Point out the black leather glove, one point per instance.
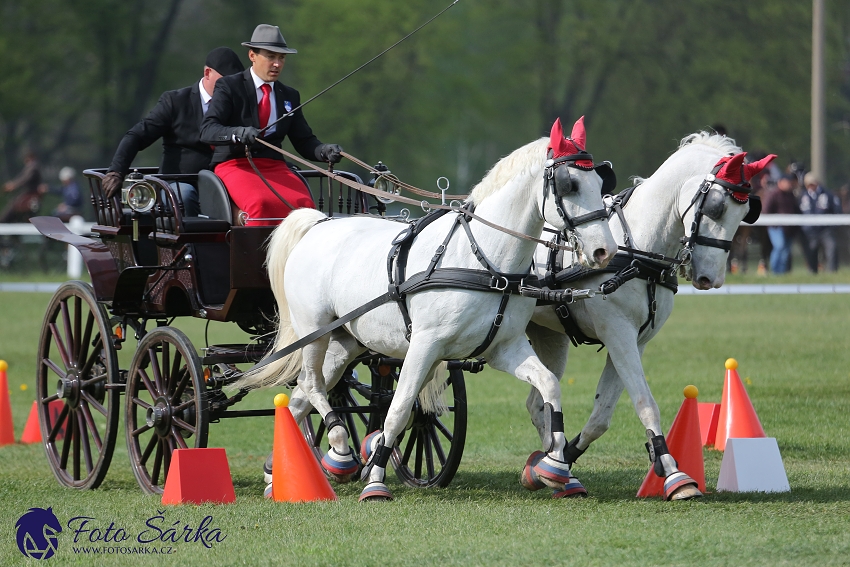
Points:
(246, 134)
(112, 183)
(329, 152)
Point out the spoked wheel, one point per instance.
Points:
(77, 387)
(430, 448)
(430, 452)
(165, 408)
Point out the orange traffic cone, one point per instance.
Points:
(32, 430)
(7, 429)
(685, 446)
(198, 475)
(709, 414)
(296, 475)
(738, 418)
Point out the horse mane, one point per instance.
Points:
(522, 160)
(723, 144)
(719, 142)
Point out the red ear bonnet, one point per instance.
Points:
(753, 169)
(561, 146)
(733, 172)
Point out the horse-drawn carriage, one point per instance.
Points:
(149, 265)
(152, 264)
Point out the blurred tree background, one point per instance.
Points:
(480, 81)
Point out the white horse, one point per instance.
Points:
(701, 192)
(320, 271)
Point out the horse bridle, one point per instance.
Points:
(699, 205)
(558, 180)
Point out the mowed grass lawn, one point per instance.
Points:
(794, 351)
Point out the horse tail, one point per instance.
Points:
(431, 398)
(280, 245)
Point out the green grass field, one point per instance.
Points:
(793, 349)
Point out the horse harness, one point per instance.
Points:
(655, 269)
(489, 279)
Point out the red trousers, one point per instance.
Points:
(253, 196)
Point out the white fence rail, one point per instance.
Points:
(803, 220)
(79, 226)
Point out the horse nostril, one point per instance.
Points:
(600, 255)
(704, 282)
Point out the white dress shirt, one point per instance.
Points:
(205, 97)
(258, 82)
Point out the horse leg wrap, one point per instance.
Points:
(376, 490)
(340, 467)
(553, 422)
(378, 456)
(571, 489)
(333, 420)
(675, 482)
(656, 446)
(572, 452)
(267, 469)
(528, 478)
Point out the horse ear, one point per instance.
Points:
(579, 136)
(753, 169)
(731, 170)
(556, 137)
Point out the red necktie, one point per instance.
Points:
(265, 105)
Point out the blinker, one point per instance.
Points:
(714, 204)
(564, 181)
(755, 210)
(609, 179)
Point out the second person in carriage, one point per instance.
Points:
(244, 104)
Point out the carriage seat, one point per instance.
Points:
(215, 201)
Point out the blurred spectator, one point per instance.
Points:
(26, 204)
(72, 199)
(816, 200)
(780, 200)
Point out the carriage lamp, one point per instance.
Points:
(384, 180)
(141, 197)
(129, 181)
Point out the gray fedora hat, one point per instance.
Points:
(268, 37)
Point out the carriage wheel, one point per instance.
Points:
(165, 408)
(430, 452)
(430, 449)
(75, 386)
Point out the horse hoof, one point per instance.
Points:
(367, 446)
(376, 492)
(268, 493)
(572, 489)
(679, 486)
(528, 478)
(552, 472)
(340, 467)
(267, 470)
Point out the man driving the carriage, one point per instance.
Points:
(176, 119)
(242, 106)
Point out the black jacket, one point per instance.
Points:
(234, 103)
(176, 119)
